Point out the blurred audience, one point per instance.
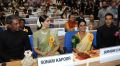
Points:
(102, 12)
(71, 24)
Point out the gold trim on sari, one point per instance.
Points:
(85, 43)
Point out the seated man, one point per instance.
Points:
(106, 33)
(71, 24)
(13, 41)
(26, 29)
(81, 17)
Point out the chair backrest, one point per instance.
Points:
(31, 20)
(1, 30)
(67, 41)
(94, 40)
(32, 46)
(60, 22)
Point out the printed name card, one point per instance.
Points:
(109, 54)
(60, 60)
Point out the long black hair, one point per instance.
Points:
(42, 20)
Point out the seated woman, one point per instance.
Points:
(45, 40)
(82, 41)
(71, 24)
(93, 24)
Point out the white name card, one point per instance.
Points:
(61, 32)
(59, 60)
(109, 54)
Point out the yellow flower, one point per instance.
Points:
(26, 30)
(51, 41)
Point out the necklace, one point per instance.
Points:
(44, 31)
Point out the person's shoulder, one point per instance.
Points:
(100, 10)
(115, 27)
(22, 32)
(100, 28)
(91, 34)
(4, 32)
(66, 24)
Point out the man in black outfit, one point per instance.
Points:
(118, 24)
(81, 16)
(106, 33)
(13, 41)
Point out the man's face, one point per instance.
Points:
(104, 4)
(114, 4)
(72, 18)
(21, 23)
(108, 20)
(81, 14)
(91, 17)
(15, 26)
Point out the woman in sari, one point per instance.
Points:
(45, 40)
(82, 41)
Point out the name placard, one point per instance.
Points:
(60, 60)
(109, 54)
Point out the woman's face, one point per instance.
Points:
(46, 23)
(72, 18)
(82, 27)
(21, 23)
(91, 17)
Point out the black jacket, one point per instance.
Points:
(106, 36)
(13, 45)
(119, 12)
(29, 30)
